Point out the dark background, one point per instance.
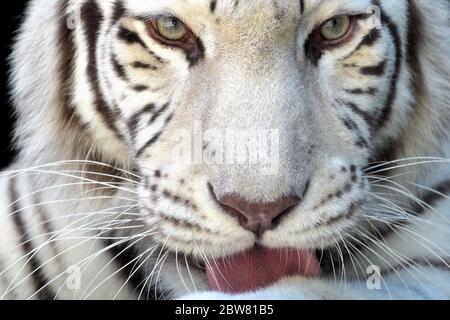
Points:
(11, 16)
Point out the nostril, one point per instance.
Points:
(306, 189)
(211, 191)
(295, 203)
(226, 208)
(256, 217)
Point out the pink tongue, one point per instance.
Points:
(259, 268)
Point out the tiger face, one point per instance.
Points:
(251, 123)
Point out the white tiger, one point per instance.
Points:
(143, 128)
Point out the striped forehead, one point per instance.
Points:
(198, 9)
(217, 7)
(234, 5)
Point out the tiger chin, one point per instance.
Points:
(224, 149)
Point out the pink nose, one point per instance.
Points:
(258, 217)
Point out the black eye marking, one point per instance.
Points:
(213, 6)
(315, 45)
(140, 88)
(132, 38)
(142, 65)
(370, 39)
(191, 45)
(377, 70)
(359, 91)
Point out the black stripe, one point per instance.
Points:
(360, 141)
(92, 18)
(213, 6)
(159, 113)
(133, 123)
(236, 4)
(150, 143)
(47, 226)
(142, 65)
(350, 125)
(37, 273)
(131, 37)
(359, 91)
(377, 70)
(119, 68)
(140, 87)
(366, 116)
(302, 6)
(118, 11)
(387, 109)
(415, 34)
(370, 39)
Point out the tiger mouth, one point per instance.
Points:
(260, 267)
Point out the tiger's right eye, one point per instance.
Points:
(335, 28)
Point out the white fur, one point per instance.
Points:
(255, 74)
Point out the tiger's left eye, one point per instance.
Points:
(335, 28)
(171, 28)
(171, 32)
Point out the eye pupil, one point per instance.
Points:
(172, 23)
(334, 22)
